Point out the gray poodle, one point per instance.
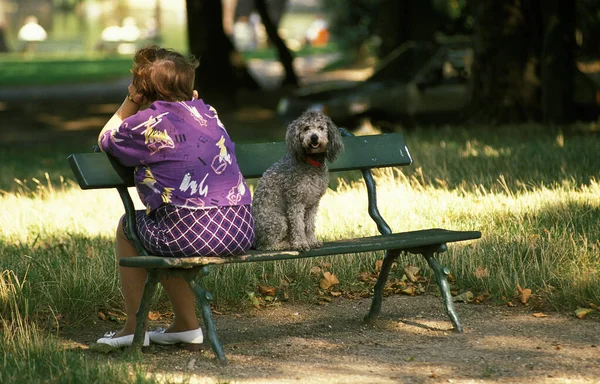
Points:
(287, 196)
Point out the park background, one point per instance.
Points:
(524, 174)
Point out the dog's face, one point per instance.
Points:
(313, 133)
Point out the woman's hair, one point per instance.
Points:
(163, 74)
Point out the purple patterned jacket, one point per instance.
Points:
(182, 156)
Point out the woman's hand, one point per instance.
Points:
(131, 106)
(134, 96)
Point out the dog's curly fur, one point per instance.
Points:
(287, 196)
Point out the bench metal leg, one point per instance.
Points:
(205, 298)
(141, 315)
(441, 274)
(388, 260)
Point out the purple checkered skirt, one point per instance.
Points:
(181, 232)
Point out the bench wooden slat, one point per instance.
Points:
(94, 170)
(361, 152)
(402, 241)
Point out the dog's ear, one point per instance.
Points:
(335, 144)
(294, 145)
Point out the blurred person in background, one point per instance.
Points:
(3, 29)
(317, 34)
(3, 43)
(30, 34)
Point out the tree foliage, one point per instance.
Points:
(352, 23)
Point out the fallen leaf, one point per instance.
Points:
(594, 306)
(328, 280)
(365, 277)
(102, 316)
(152, 315)
(378, 265)
(266, 290)
(482, 273)
(524, 294)
(582, 312)
(511, 304)
(315, 270)
(408, 291)
(481, 298)
(325, 265)
(412, 272)
(539, 314)
(335, 294)
(327, 299)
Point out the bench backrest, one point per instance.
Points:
(95, 170)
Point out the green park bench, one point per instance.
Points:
(98, 170)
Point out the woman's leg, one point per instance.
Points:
(183, 302)
(132, 286)
(132, 281)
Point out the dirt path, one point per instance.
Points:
(412, 343)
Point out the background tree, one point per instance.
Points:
(588, 27)
(217, 78)
(387, 24)
(558, 60)
(352, 23)
(285, 56)
(399, 21)
(523, 65)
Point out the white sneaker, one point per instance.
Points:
(123, 341)
(187, 337)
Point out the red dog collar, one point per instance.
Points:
(313, 162)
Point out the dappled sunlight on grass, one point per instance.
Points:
(72, 211)
(543, 237)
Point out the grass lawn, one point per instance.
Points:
(47, 69)
(533, 193)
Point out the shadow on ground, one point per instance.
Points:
(412, 343)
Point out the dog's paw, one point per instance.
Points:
(300, 246)
(316, 244)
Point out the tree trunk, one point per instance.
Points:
(402, 20)
(558, 63)
(276, 11)
(393, 26)
(505, 83)
(285, 56)
(217, 78)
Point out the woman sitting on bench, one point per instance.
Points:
(186, 173)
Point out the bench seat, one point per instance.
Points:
(404, 241)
